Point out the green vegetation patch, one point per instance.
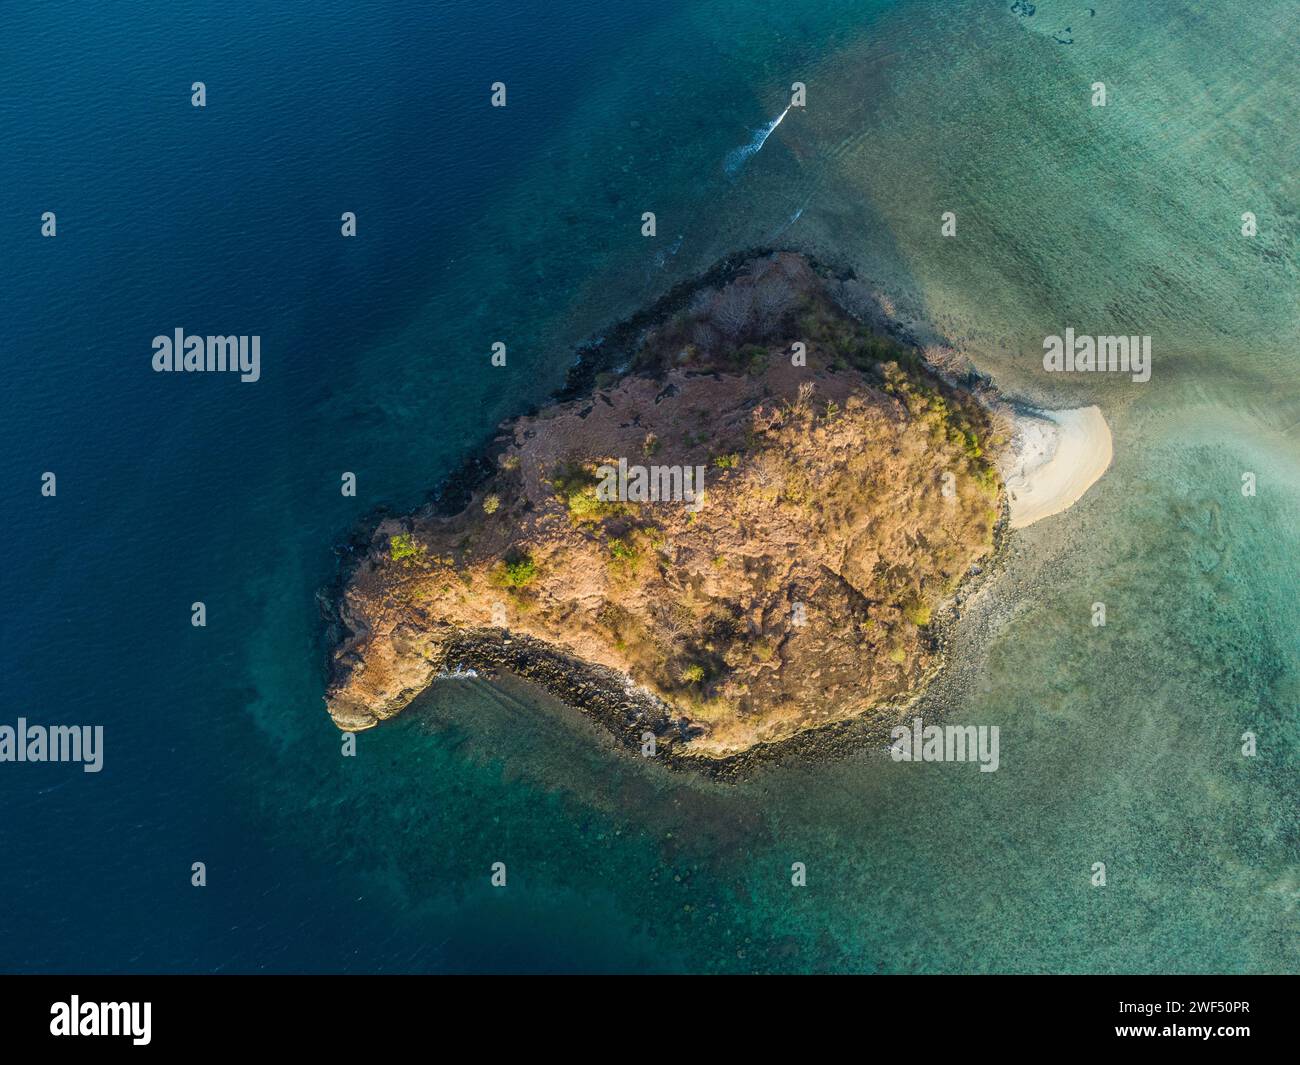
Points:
(403, 549)
(576, 484)
(917, 611)
(514, 572)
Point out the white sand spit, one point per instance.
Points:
(1055, 456)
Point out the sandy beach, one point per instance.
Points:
(1055, 456)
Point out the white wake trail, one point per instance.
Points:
(737, 158)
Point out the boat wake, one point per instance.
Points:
(739, 156)
(788, 223)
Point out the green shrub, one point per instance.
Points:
(403, 548)
(577, 485)
(751, 358)
(917, 611)
(623, 551)
(517, 572)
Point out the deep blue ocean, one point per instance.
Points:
(521, 224)
(173, 490)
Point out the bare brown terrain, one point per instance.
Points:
(844, 500)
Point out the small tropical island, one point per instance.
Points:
(741, 521)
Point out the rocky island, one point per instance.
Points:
(738, 523)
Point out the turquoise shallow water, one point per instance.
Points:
(1118, 745)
